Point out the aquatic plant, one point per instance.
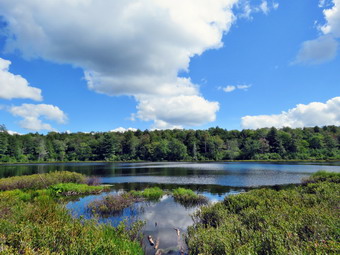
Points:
(72, 189)
(188, 198)
(296, 220)
(41, 181)
(111, 204)
(150, 194)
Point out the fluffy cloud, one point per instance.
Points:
(123, 130)
(32, 115)
(324, 48)
(176, 111)
(126, 47)
(313, 114)
(317, 51)
(332, 17)
(15, 86)
(231, 88)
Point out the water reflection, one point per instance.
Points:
(237, 174)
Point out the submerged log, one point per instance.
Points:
(152, 243)
(157, 244)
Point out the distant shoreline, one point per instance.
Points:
(185, 161)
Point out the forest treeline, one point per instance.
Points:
(174, 145)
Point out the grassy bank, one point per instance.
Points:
(32, 221)
(299, 220)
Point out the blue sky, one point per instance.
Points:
(96, 66)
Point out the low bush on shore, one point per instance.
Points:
(188, 198)
(41, 181)
(299, 220)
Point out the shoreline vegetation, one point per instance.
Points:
(34, 220)
(295, 219)
(214, 144)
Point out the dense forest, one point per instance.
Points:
(173, 145)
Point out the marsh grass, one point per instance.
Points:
(111, 204)
(149, 194)
(188, 198)
(41, 181)
(32, 222)
(75, 189)
(299, 220)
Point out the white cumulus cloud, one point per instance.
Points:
(313, 114)
(131, 47)
(15, 86)
(177, 111)
(325, 47)
(32, 115)
(123, 130)
(332, 17)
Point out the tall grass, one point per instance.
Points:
(299, 220)
(32, 222)
(150, 194)
(41, 181)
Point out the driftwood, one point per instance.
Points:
(157, 244)
(158, 252)
(152, 243)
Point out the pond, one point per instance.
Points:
(163, 218)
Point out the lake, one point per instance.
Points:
(214, 180)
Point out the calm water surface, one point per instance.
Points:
(214, 180)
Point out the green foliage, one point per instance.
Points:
(41, 181)
(150, 194)
(41, 226)
(299, 220)
(174, 145)
(71, 189)
(188, 198)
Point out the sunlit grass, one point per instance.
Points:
(188, 198)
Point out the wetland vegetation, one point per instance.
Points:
(296, 220)
(33, 220)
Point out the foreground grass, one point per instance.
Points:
(300, 220)
(33, 222)
(188, 198)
